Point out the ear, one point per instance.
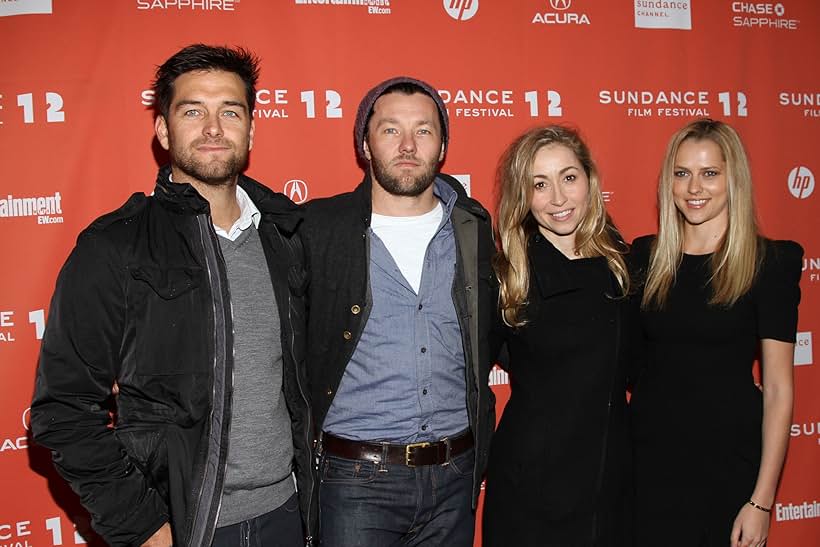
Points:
(441, 154)
(366, 150)
(161, 130)
(250, 140)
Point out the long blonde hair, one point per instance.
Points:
(596, 234)
(736, 261)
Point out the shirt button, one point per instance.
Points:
(424, 428)
(424, 392)
(421, 306)
(346, 335)
(355, 309)
(424, 350)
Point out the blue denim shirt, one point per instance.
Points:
(406, 379)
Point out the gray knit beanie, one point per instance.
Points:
(366, 109)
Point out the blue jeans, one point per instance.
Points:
(281, 527)
(368, 504)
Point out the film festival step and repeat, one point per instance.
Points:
(76, 135)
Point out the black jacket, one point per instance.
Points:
(337, 250)
(143, 300)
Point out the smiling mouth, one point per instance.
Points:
(696, 202)
(561, 215)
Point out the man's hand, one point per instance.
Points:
(161, 538)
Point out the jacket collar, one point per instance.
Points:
(549, 268)
(183, 198)
(445, 186)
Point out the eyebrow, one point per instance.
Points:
(190, 102)
(396, 121)
(561, 172)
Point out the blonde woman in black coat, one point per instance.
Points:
(558, 462)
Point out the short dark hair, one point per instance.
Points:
(238, 60)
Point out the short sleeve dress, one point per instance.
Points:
(696, 412)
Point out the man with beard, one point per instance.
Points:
(401, 300)
(190, 302)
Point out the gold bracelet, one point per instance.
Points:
(756, 506)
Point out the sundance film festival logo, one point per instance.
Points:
(812, 266)
(674, 103)
(801, 182)
(461, 10)
(24, 7)
(663, 14)
(47, 209)
(179, 5)
(809, 103)
(560, 15)
(374, 7)
(762, 15)
(296, 190)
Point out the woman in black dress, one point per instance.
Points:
(558, 462)
(709, 444)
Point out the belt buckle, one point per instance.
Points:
(408, 451)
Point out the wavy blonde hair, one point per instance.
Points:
(735, 263)
(596, 234)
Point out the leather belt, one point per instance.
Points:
(411, 455)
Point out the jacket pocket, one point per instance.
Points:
(169, 315)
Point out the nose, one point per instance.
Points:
(558, 196)
(695, 185)
(213, 126)
(408, 143)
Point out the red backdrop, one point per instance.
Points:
(76, 139)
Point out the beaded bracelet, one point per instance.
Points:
(756, 506)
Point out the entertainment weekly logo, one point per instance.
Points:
(797, 511)
(762, 15)
(801, 182)
(559, 12)
(807, 103)
(24, 7)
(46, 209)
(187, 5)
(461, 10)
(374, 7)
(663, 14)
(675, 103)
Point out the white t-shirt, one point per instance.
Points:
(406, 238)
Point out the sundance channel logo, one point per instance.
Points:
(663, 14)
(803, 354)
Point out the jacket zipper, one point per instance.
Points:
(198, 536)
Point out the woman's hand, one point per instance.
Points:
(751, 528)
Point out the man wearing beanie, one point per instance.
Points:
(401, 298)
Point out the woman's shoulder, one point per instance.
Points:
(782, 257)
